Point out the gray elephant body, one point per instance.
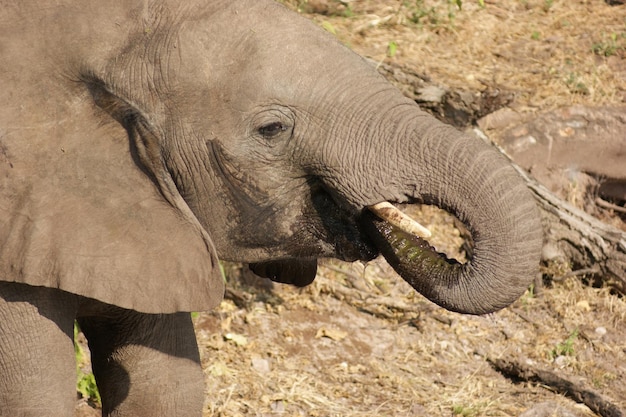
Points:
(142, 141)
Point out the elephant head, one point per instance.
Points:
(166, 137)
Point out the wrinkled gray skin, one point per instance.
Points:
(141, 141)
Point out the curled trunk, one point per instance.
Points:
(471, 180)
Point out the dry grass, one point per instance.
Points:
(552, 53)
(395, 362)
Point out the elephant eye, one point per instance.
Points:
(272, 129)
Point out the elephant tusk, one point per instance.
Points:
(389, 213)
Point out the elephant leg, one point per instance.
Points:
(145, 364)
(37, 362)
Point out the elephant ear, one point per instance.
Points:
(87, 206)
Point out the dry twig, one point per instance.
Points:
(576, 391)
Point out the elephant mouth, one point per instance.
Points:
(382, 229)
(398, 219)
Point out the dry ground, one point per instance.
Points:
(361, 342)
(551, 53)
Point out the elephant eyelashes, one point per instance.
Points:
(272, 129)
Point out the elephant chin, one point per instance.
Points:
(298, 272)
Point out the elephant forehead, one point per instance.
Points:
(277, 55)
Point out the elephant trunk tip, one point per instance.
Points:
(472, 287)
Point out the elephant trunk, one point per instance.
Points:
(435, 164)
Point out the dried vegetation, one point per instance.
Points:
(551, 53)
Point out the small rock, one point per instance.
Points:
(261, 365)
(600, 331)
(561, 361)
(431, 94)
(238, 339)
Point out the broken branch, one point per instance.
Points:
(576, 391)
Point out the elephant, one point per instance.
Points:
(144, 141)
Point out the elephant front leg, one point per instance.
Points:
(37, 363)
(145, 364)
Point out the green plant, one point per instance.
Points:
(348, 12)
(566, 347)
(434, 14)
(575, 85)
(392, 48)
(417, 10)
(528, 295)
(422, 14)
(610, 45)
(329, 27)
(85, 381)
(463, 411)
(87, 387)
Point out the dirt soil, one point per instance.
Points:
(359, 341)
